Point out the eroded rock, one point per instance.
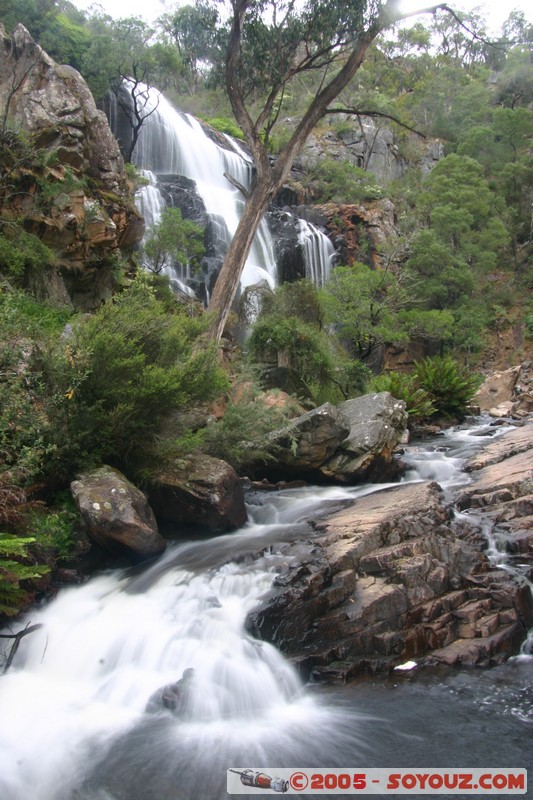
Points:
(116, 514)
(389, 579)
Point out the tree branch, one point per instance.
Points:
(361, 113)
(15, 646)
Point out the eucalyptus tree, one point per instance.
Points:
(270, 45)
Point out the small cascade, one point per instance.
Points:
(318, 252)
(151, 204)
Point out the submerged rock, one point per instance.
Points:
(200, 491)
(116, 514)
(175, 697)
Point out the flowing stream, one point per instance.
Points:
(73, 724)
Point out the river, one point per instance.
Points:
(73, 724)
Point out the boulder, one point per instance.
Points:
(199, 491)
(309, 440)
(116, 514)
(497, 388)
(377, 423)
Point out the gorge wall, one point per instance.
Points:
(75, 197)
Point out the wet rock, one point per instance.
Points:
(116, 514)
(388, 579)
(306, 442)
(200, 491)
(175, 697)
(377, 423)
(497, 388)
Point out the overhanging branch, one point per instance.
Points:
(363, 113)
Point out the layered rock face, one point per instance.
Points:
(393, 577)
(83, 226)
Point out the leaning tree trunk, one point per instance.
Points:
(229, 277)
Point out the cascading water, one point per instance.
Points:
(318, 253)
(73, 724)
(173, 143)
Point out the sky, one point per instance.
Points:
(496, 11)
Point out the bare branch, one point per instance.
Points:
(363, 113)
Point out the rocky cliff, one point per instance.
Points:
(75, 197)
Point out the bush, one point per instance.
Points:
(240, 437)
(13, 572)
(124, 369)
(418, 402)
(450, 386)
(342, 182)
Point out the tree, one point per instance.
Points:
(172, 240)
(270, 44)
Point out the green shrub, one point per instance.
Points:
(14, 572)
(124, 369)
(240, 437)
(226, 125)
(342, 182)
(450, 386)
(418, 402)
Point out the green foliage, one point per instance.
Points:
(342, 182)
(450, 386)
(21, 252)
(418, 403)
(14, 572)
(52, 529)
(125, 368)
(226, 125)
(241, 436)
(174, 240)
(365, 305)
(290, 342)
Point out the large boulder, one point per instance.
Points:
(309, 440)
(496, 389)
(200, 491)
(377, 422)
(116, 514)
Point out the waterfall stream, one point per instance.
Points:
(73, 724)
(174, 143)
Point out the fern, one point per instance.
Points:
(450, 386)
(12, 572)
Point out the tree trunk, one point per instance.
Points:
(230, 274)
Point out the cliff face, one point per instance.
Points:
(75, 198)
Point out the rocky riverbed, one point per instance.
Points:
(401, 574)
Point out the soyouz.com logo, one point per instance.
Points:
(486, 782)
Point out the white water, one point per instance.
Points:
(72, 719)
(173, 143)
(318, 253)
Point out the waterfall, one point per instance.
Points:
(174, 143)
(318, 253)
